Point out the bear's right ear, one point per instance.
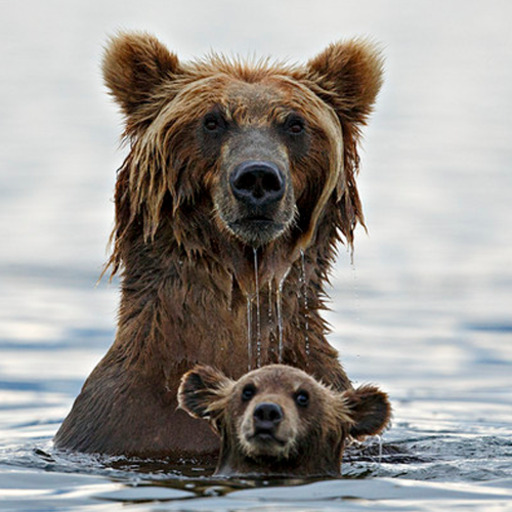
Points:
(134, 65)
(202, 391)
(370, 410)
(350, 76)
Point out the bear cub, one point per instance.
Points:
(279, 421)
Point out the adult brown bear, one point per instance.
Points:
(239, 183)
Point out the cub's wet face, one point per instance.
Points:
(279, 420)
(272, 416)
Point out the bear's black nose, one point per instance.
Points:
(267, 416)
(257, 183)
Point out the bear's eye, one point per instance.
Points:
(211, 124)
(295, 125)
(248, 392)
(302, 398)
(214, 122)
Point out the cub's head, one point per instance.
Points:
(249, 153)
(278, 420)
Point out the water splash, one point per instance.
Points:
(279, 311)
(258, 313)
(304, 289)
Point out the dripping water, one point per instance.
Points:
(270, 319)
(279, 323)
(379, 439)
(279, 311)
(305, 297)
(258, 315)
(249, 332)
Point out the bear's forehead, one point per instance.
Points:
(277, 378)
(260, 100)
(253, 93)
(269, 96)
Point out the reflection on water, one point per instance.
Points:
(425, 314)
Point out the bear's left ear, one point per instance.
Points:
(201, 390)
(134, 66)
(370, 410)
(349, 75)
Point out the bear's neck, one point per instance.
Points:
(195, 294)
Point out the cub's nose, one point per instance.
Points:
(267, 416)
(257, 183)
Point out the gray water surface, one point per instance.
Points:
(425, 311)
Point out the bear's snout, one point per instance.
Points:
(269, 428)
(255, 198)
(257, 184)
(266, 417)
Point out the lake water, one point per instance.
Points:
(425, 311)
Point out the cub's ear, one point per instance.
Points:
(202, 391)
(134, 65)
(349, 75)
(370, 410)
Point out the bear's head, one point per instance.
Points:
(238, 154)
(278, 420)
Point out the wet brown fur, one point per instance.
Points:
(185, 277)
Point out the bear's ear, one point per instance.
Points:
(134, 65)
(202, 391)
(349, 75)
(370, 410)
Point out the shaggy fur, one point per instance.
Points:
(185, 246)
(307, 436)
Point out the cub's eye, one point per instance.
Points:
(248, 392)
(295, 125)
(214, 122)
(302, 398)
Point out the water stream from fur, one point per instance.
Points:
(305, 298)
(279, 310)
(258, 312)
(254, 324)
(249, 332)
(270, 312)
